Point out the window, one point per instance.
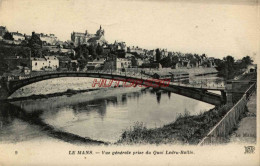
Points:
(35, 63)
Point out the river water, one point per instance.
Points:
(100, 115)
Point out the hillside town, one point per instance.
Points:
(22, 53)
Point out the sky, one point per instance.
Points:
(217, 27)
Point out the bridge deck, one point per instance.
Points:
(192, 91)
(131, 75)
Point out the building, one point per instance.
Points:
(64, 62)
(251, 68)
(97, 40)
(128, 55)
(122, 63)
(56, 49)
(139, 62)
(136, 50)
(27, 37)
(67, 51)
(26, 70)
(38, 64)
(211, 62)
(50, 39)
(79, 38)
(96, 64)
(46, 63)
(173, 76)
(164, 53)
(18, 36)
(52, 61)
(152, 54)
(120, 46)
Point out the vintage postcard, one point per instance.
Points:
(129, 82)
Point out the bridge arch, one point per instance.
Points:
(191, 92)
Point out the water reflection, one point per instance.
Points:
(169, 94)
(19, 125)
(103, 115)
(158, 97)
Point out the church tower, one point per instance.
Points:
(100, 32)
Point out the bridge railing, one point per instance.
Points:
(134, 74)
(219, 133)
(201, 85)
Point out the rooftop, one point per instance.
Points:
(51, 58)
(17, 33)
(63, 58)
(38, 59)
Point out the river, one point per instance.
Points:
(100, 115)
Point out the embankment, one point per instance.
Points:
(192, 71)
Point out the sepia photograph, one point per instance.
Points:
(133, 82)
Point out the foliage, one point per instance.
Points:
(35, 41)
(166, 62)
(246, 61)
(9, 51)
(175, 60)
(82, 63)
(81, 51)
(229, 68)
(133, 61)
(8, 36)
(191, 58)
(35, 44)
(186, 129)
(92, 51)
(99, 49)
(158, 55)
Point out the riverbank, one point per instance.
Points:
(192, 71)
(42, 96)
(69, 92)
(185, 130)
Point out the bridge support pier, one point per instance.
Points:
(228, 91)
(223, 97)
(4, 93)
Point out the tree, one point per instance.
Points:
(158, 55)
(82, 63)
(82, 52)
(246, 61)
(35, 40)
(35, 44)
(99, 49)
(45, 52)
(92, 51)
(85, 52)
(134, 61)
(175, 60)
(191, 58)
(8, 36)
(227, 67)
(166, 62)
